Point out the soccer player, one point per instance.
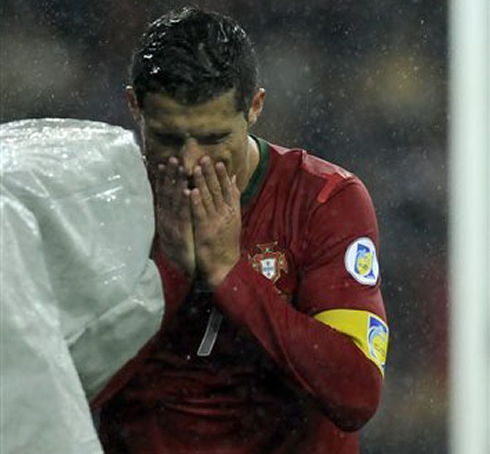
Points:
(275, 336)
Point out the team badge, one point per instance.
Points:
(269, 261)
(378, 341)
(361, 261)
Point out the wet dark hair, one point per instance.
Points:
(193, 56)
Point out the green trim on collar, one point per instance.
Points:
(258, 176)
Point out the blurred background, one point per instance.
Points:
(362, 84)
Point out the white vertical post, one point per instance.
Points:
(469, 226)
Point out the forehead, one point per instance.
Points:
(163, 112)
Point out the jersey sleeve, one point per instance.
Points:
(341, 282)
(322, 342)
(176, 284)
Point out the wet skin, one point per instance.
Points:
(200, 159)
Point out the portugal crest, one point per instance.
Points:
(269, 261)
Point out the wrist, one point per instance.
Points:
(216, 277)
(187, 270)
(185, 265)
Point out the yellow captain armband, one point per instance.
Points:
(368, 331)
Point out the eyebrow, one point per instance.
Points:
(215, 135)
(211, 135)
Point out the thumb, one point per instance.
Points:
(234, 185)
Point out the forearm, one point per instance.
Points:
(176, 285)
(322, 361)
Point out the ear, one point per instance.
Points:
(133, 103)
(256, 107)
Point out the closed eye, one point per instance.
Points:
(178, 140)
(175, 140)
(212, 139)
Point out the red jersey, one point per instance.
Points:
(287, 356)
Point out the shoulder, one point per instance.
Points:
(313, 177)
(327, 198)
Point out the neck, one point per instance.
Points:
(253, 162)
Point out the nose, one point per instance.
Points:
(191, 153)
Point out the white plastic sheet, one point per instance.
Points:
(79, 294)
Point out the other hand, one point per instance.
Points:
(215, 206)
(173, 216)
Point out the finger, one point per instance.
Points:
(160, 202)
(236, 190)
(225, 183)
(185, 207)
(151, 171)
(204, 194)
(159, 178)
(212, 182)
(180, 187)
(169, 176)
(197, 207)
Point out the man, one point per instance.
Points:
(275, 336)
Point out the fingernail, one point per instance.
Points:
(195, 195)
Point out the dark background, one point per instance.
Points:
(362, 84)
